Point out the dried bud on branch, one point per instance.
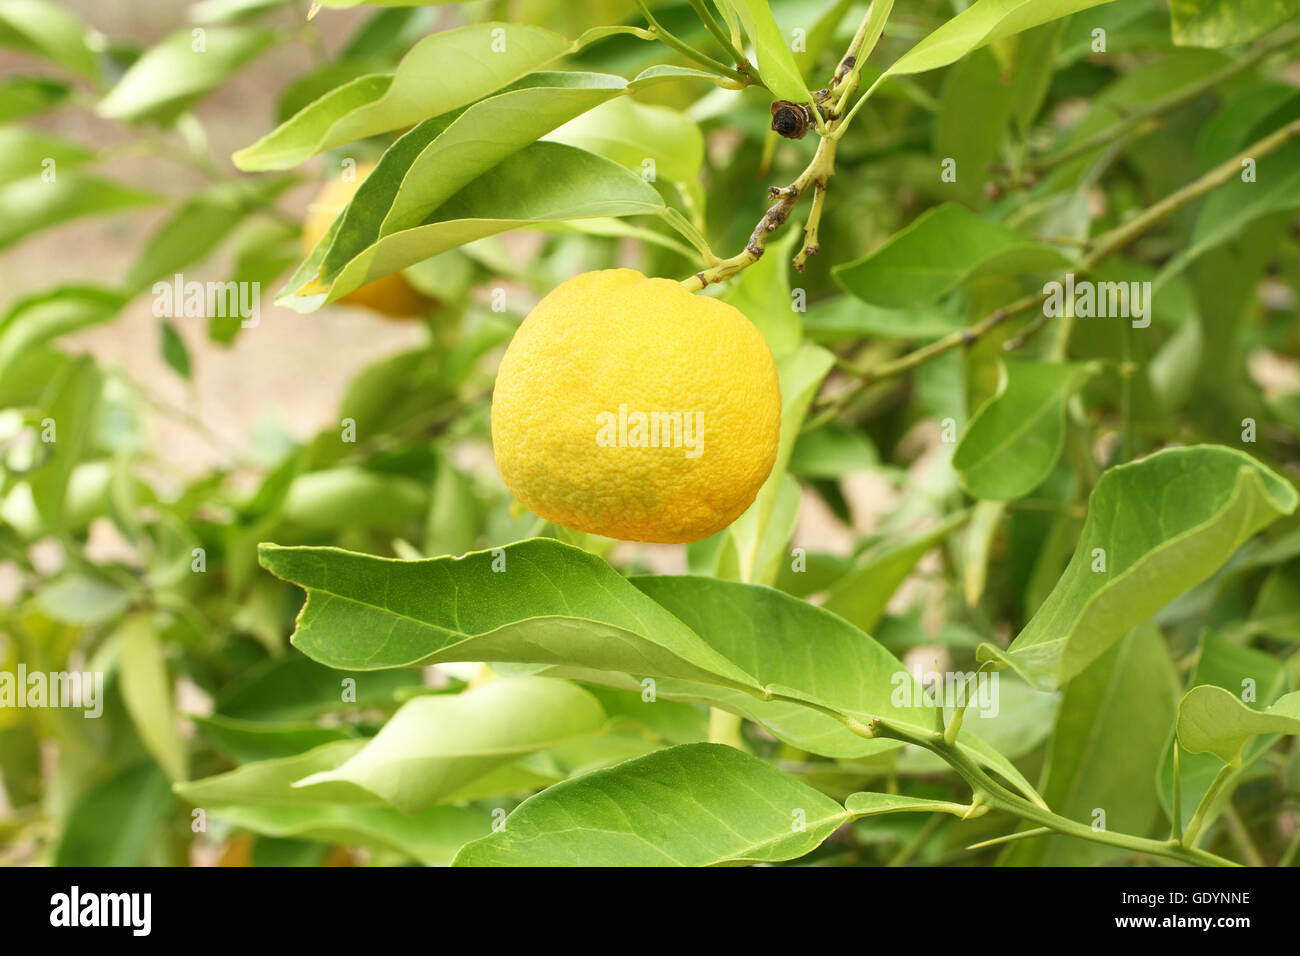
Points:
(791, 120)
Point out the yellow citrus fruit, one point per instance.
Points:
(628, 407)
(392, 295)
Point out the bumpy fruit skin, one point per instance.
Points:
(614, 338)
(392, 295)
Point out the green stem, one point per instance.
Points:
(686, 229)
(1241, 837)
(990, 792)
(1288, 857)
(1012, 838)
(1198, 819)
(684, 48)
(1176, 830)
(711, 23)
(999, 797)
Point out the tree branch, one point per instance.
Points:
(1164, 104)
(1104, 247)
(815, 176)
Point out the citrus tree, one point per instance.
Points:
(945, 351)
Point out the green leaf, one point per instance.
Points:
(1035, 56)
(348, 497)
(198, 227)
(23, 96)
(791, 645)
(1219, 23)
(762, 293)
(34, 320)
(1276, 612)
(667, 72)
(1015, 439)
(943, 248)
(846, 317)
(1111, 728)
(147, 693)
(345, 4)
(435, 745)
(1235, 205)
(270, 783)
(978, 543)
(980, 24)
(170, 77)
(295, 688)
(694, 805)
(442, 72)
(46, 29)
(25, 152)
(974, 112)
(799, 649)
(32, 204)
(248, 741)
(630, 132)
(173, 349)
(75, 597)
(547, 603)
(773, 55)
(1242, 671)
(1212, 720)
(441, 156)
(1242, 118)
(861, 596)
(455, 516)
(833, 451)
(113, 823)
(432, 836)
(1141, 86)
(864, 804)
(1161, 525)
(540, 183)
(70, 412)
(232, 11)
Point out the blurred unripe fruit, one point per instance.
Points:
(392, 295)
